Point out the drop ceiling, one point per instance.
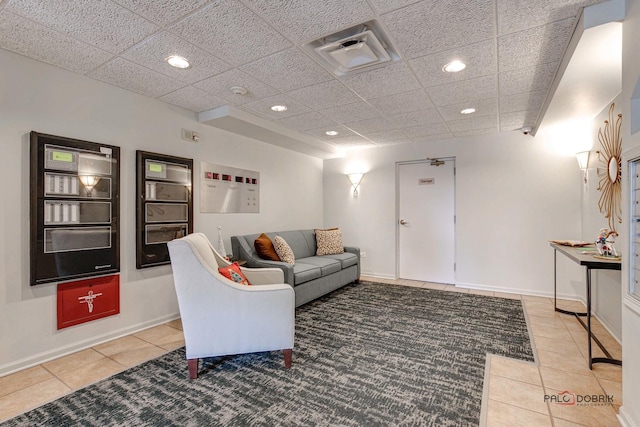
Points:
(512, 48)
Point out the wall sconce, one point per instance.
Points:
(583, 162)
(355, 179)
(89, 181)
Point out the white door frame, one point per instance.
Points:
(427, 160)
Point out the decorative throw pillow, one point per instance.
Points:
(233, 273)
(284, 250)
(329, 242)
(264, 248)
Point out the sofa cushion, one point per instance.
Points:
(327, 265)
(284, 250)
(302, 242)
(347, 259)
(305, 272)
(264, 248)
(329, 242)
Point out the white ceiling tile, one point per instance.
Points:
(44, 44)
(475, 132)
(370, 125)
(518, 119)
(343, 132)
(324, 95)
(351, 142)
(527, 79)
(232, 32)
(462, 91)
(162, 12)
(384, 6)
(379, 82)
(426, 130)
(287, 70)
(517, 15)
(402, 102)
(480, 59)
(103, 24)
(429, 138)
(222, 83)
(193, 99)
(303, 20)
(522, 101)
(263, 107)
(306, 121)
(433, 26)
(534, 46)
(387, 136)
(484, 107)
(397, 142)
(351, 112)
(152, 53)
(415, 118)
(135, 78)
(483, 122)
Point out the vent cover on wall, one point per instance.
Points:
(355, 48)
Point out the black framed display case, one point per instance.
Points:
(164, 206)
(74, 209)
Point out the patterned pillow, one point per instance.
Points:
(284, 250)
(233, 273)
(329, 242)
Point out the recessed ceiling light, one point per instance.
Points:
(177, 61)
(468, 111)
(454, 66)
(331, 132)
(279, 108)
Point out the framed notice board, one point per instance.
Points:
(164, 206)
(74, 209)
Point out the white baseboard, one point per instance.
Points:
(624, 419)
(378, 275)
(48, 355)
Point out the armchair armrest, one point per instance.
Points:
(263, 276)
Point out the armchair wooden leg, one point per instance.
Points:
(193, 368)
(287, 357)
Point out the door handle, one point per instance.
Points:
(403, 222)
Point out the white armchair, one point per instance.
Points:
(221, 317)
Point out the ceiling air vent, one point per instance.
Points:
(354, 49)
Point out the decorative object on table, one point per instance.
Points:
(573, 243)
(609, 174)
(221, 248)
(605, 243)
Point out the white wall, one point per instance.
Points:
(513, 194)
(630, 410)
(35, 96)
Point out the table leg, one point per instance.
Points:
(589, 315)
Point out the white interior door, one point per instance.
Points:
(426, 222)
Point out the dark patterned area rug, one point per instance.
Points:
(367, 354)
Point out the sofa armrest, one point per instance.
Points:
(243, 250)
(354, 250)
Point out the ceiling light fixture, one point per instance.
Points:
(178, 61)
(278, 108)
(331, 132)
(454, 66)
(239, 90)
(468, 111)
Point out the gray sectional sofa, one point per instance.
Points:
(311, 276)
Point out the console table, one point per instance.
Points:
(591, 263)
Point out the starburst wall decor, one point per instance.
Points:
(610, 169)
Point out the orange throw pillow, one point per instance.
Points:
(233, 273)
(264, 248)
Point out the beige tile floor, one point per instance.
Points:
(514, 393)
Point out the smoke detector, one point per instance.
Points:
(238, 90)
(355, 48)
